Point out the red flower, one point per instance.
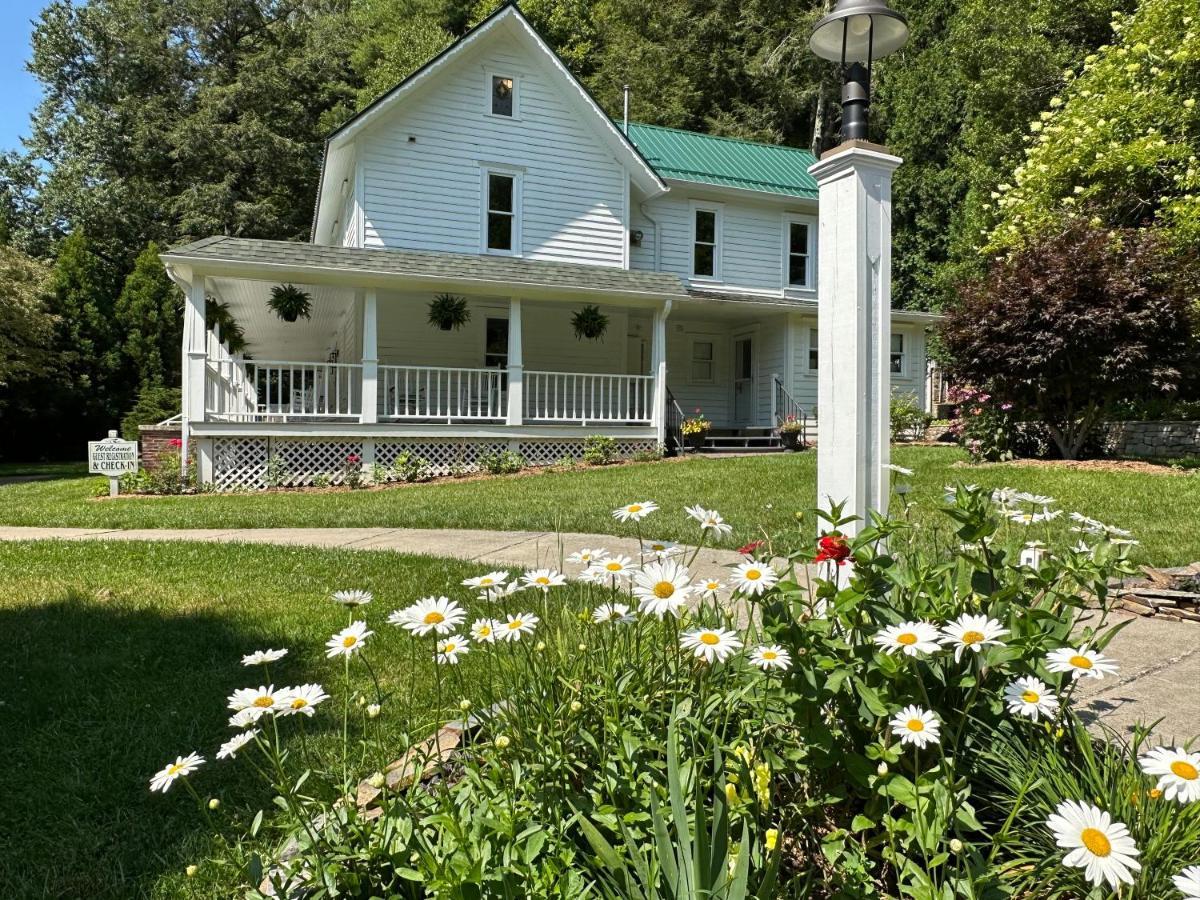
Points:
(353, 458)
(176, 443)
(751, 548)
(833, 548)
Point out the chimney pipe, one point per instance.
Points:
(625, 127)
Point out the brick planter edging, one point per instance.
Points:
(154, 441)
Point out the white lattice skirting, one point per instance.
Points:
(249, 463)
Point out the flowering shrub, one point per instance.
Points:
(167, 476)
(856, 720)
(695, 425)
(983, 425)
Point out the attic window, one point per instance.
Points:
(503, 95)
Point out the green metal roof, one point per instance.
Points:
(726, 162)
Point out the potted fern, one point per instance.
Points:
(589, 323)
(290, 302)
(447, 312)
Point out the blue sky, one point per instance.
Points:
(18, 90)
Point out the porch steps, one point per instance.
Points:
(746, 443)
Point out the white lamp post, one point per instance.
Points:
(855, 283)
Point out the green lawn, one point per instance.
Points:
(752, 492)
(120, 656)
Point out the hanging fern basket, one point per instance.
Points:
(589, 323)
(449, 312)
(290, 303)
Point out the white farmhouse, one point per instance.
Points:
(489, 185)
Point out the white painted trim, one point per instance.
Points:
(740, 194)
(790, 218)
(746, 333)
(489, 75)
(518, 178)
(626, 220)
(433, 432)
(516, 365)
(718, 211)
(809, 347)
(905, 353)
(370, 360)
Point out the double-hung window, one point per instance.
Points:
(799, 256)
(813, 358)
(702, 362)
(706, 242)
(501, 212)
(898, 357)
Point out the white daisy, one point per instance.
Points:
(1035, 499)
(969, 632)
(660, 549)
(543, 579)
(753, 577)
(522, 623)
(710, 520)
(451, 648)
(302, 699)
(230, 748)
(244, 718)
(1027, 517)
(252, 703)
(1081, 662)
(916, 726)
(488, 582)
(710, 644)
(662, 587)
(1005, 498)
(441, 615)
(352, 598)
(484, 630)
(401, 617)
(771, 657)
(909, 638)
(635, 512)
(1187, 883)
(503, 592)
(899, 470)
(709, 588)
(1097, 844)
(586, 557)
(262, 657)
(616, 613)
(1178, 772)
(615, 567)
(1030, 698)
(348, 641)
(181, 768)
(590, 575)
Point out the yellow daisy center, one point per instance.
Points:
(907, 639)
(752, 575)
(916, 725)
(434, 618)
(485, 630)
(658, 548)
(299, 703)
(770, 654)
(1080, 661)
(1096, 841)
(486, 581)
(709, 638)
(265, 702)
(515, 624)
(972, 637)
(613, 566)
(664, 589)
(712, 585)
(349, 640)
(449, 648)
(1184, 770)
(1154, 793)
(174, 769)
(1031, 696)
(634, 508)
(542, 579)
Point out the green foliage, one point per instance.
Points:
(1118, 145)
(408, 467)
(502, 462)
(26, 325)
(166, 477)
(908, 419)
(589, 322)
(150, 316)
(395, 39)
(217, 316)
(155, 402)
(1075, 320)
(449, 312)
(290, 302)
(599, 450)
(984, 425)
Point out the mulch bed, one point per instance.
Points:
(1089, 465)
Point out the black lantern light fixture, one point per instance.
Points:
(855, 34)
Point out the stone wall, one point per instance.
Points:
(1149, 440)
(154, 441)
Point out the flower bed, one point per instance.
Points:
(894, 723)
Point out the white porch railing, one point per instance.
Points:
(305, 390)
(227, 391)
(583, 398)
(439, 393)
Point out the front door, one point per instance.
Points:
(743, 380)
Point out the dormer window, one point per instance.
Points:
(504, 95)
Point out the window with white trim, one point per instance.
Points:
(502, 91)
(706, 242)
(501, 206)
(799, 248)
(702, 362)
(813, 358)
(899, 356)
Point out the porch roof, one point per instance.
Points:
(314, 263)
(799, 304)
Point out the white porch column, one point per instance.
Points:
(370, 361)
(658, 368)
(195, 343)
(854, 328)
(516, 365)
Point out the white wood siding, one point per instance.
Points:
(751, 247)
(425, 194)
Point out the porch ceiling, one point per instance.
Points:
(267, 336)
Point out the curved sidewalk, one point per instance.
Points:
(502, 548)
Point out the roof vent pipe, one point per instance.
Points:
(625, 127)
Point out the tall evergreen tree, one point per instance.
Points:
(149, 316)
(26, 333)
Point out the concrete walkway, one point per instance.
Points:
(1159, 658)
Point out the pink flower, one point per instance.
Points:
(176, 443)
(353, 458)
(1006, 406)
